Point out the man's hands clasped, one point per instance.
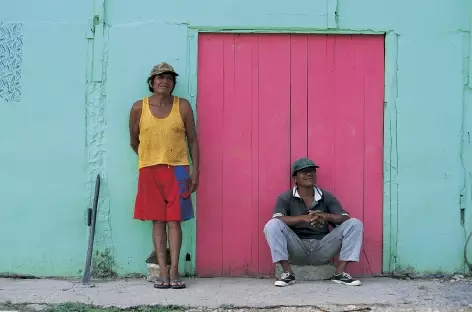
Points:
(316, 217)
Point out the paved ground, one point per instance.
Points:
(379, 294)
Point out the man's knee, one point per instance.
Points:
(273, 225)
(159, 225)
(355, 224)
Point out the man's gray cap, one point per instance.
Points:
(301, 164)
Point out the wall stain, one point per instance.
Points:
(11, 56)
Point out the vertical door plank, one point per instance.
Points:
(253, 219)
(237, 201)
(228, 129)
(274, 131)
(322, 119)
(210, 103)
(298, 98)
(349, 137)
(373, 50)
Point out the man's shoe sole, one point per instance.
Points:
(283, 284)
(356, 283)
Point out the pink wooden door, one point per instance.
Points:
(265, 100)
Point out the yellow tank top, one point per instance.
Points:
(162, 141)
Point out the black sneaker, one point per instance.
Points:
(346, 279)
(285, 280)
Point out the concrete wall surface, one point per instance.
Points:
(69, 74)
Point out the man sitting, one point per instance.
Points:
(299, 228)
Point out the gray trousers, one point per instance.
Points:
(284, 244)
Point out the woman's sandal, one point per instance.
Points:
(162, 284)
(177, 284)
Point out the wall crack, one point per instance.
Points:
(96, 134)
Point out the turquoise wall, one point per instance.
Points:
(66, 93)
(43, 161)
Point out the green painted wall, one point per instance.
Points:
(43, 160)
(64, 116)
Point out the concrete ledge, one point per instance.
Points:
(302, 272)
(310, 272)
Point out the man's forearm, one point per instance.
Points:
(135, 147)
(337, 219)
(195, 155)
(291, 220)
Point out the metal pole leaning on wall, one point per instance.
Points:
(91, 221)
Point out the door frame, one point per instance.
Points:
(390, 153)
